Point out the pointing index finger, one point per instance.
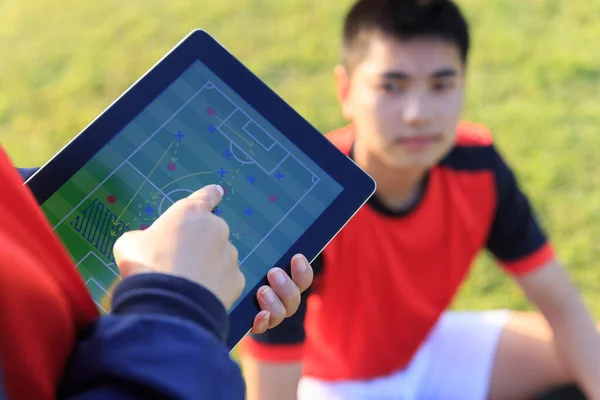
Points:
(209, 196)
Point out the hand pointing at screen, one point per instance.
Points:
(191, 242)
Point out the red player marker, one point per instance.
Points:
(225, 190)
(210, 111)
(272, 198)
(111, 199)
(171, 166)
(144, 226)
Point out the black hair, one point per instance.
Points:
(403, 20)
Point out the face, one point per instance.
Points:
(404, 99)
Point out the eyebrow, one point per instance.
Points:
(441, 73)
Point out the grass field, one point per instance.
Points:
(534, 79)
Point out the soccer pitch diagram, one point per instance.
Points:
(171, 150)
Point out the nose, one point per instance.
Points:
(417, 109)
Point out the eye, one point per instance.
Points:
(392, 86)
(443, 85)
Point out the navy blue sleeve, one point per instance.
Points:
(163, 340)
(515, 233)
(291, 329)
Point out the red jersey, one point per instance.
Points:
(385, 279)
(44, 301)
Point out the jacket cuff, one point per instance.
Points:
(162, 294)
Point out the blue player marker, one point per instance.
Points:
(251, 179)
(222, 172)
(179, 136)
(149, 210)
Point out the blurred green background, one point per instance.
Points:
(534, 79)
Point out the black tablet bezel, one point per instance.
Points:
(358, 187)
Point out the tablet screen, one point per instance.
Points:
(196, 132)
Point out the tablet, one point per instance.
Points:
(199, 117)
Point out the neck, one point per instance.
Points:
(397, 187)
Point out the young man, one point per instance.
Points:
(376, 324)
(164, 337)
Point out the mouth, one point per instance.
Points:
(417, 142)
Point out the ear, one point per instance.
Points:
(342, 89)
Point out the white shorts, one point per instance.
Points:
(455, 362)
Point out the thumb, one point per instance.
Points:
(208, 197)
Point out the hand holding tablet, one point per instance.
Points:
(200, 117)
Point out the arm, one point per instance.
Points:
(575, 334)
(280, 379)
(272, 362)
(164, 339)
(520, 245)
(271, 380)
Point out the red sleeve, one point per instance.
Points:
(516, 239)
(531, 262)
(44, 301)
